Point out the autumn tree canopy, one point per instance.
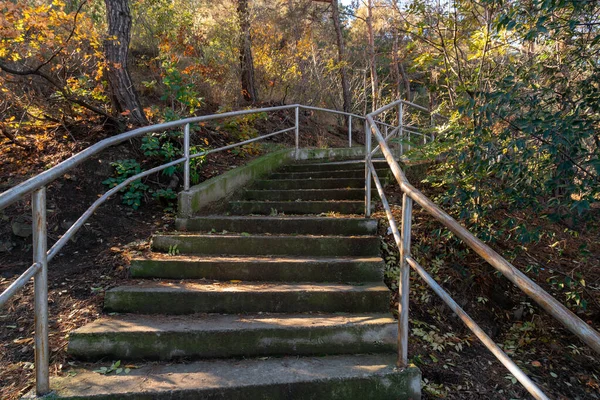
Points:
(518, 78)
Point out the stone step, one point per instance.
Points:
(365, 377)
(222, 336)
(190, 297)
(356, 173)
(253, 245)
(331, 166)
(307, 194)
(297, 207)
(324, 183)
(274, 269)
(279, 224)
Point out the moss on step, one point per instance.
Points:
(297, 207)
(179, 301)
(366, 377)
(271, 270)
(323, 183)
(270, 341)
(280, 224)
(321, 246)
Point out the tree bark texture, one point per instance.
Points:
(406, 82)
(246, 60)
(116, 48)
(335, 15)
(395, 68)
(399, 72)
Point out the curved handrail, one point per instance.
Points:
(12, 195)
(332, 111)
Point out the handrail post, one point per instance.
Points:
(40, 245)
(186, 154)
(404, 282)
(349, 131)
(401, 128)
(367, 169)
(297, 132)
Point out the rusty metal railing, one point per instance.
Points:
(587, 334)
(37, 187)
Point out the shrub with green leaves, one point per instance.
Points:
(524, 133)
(135, 191)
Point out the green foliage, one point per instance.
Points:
(520, 335)
(524, 132)
(167, 146)
(158, 148)
(436, 340)
(173, 250)
(135, 191)
(166, 197)
(572, 288)
(242, 128)
(392, 266)
(163, 147)
(181, 94)
(114, 367)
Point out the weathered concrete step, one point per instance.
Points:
(222, 336)
(325, 183)
(301, 245)
(355, 173)
(296, 207)
(331, 166)
(306, 194)
(279, 269)
(365, 377)
(280, 224)
(232, 298)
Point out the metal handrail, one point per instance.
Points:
(37, 186)
(44, 178)
(556, 309)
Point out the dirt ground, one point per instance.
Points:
(455, 365)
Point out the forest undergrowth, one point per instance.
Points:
(455, 365)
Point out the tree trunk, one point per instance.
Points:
(116, 47)
(372, 65)
(335, 15)
(406, 82)
(246, 61)
(395, 68)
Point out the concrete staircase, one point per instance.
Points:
(282, 298)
